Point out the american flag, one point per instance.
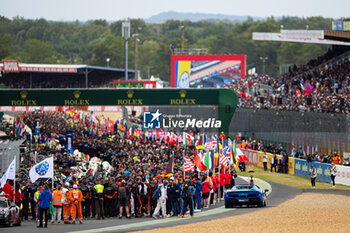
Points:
(188, 165)
(223, 158)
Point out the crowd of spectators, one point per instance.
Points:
(294, 152)
(315, 87)
(55, 82)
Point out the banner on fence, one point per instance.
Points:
(252, 155)
(343, 175)
(302, 168)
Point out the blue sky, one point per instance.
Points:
(110, 10)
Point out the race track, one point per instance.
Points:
(280, 193)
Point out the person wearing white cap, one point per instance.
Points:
(75, 197)
(66, 203)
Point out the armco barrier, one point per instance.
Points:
(252, 155)
(343, 175)
(302, 168)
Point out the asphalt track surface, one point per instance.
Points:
(279, 194)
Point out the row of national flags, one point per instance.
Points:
(211, 152)
(224, 153)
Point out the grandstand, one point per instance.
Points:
(22, 75)
(314, 87)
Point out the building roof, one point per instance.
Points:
(59, 68)
(337, 35)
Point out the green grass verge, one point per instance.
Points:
(299, 182)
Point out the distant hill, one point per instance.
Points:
(195, 17)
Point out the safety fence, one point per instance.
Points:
(301, 167)
(322, 132)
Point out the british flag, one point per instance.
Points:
(214, 143)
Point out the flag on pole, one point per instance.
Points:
(44, 169)
(188, 165)
(214, 143)
(223, 158)
(169, 167)
(199, 163)
(228, 155)
(199, 142)
(130, 132)
(187, 139)
(209, 160)
(10, 173)
(206, 142)
(239, 154)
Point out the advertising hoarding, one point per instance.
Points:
(134, 84)
(205, 70)
(302, 168)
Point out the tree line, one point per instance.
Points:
(92, 42)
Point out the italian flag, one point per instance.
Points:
(187, 139)
(239, 154)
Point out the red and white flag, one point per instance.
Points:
(188, 165)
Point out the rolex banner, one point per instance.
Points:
(44, 169)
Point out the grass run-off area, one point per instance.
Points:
(299, 182)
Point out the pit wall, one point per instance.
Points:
(300, 167)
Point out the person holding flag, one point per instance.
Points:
(10, 174)
(8, 189)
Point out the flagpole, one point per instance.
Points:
(219, 182)
(53, 172)
(14, 182)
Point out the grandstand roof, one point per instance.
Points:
(59, 68)
(337, 35)
(28, 75)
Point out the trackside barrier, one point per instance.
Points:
(252, 155)
(279, 157)
(343, 175)
(302, 168)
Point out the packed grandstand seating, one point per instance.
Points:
(315, 87)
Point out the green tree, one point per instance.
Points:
(5, 45)
(36, 51)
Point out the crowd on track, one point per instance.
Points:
(146, 174)
(315, 87)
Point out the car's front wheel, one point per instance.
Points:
(227, 205)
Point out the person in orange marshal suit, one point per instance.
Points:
(75, 197)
